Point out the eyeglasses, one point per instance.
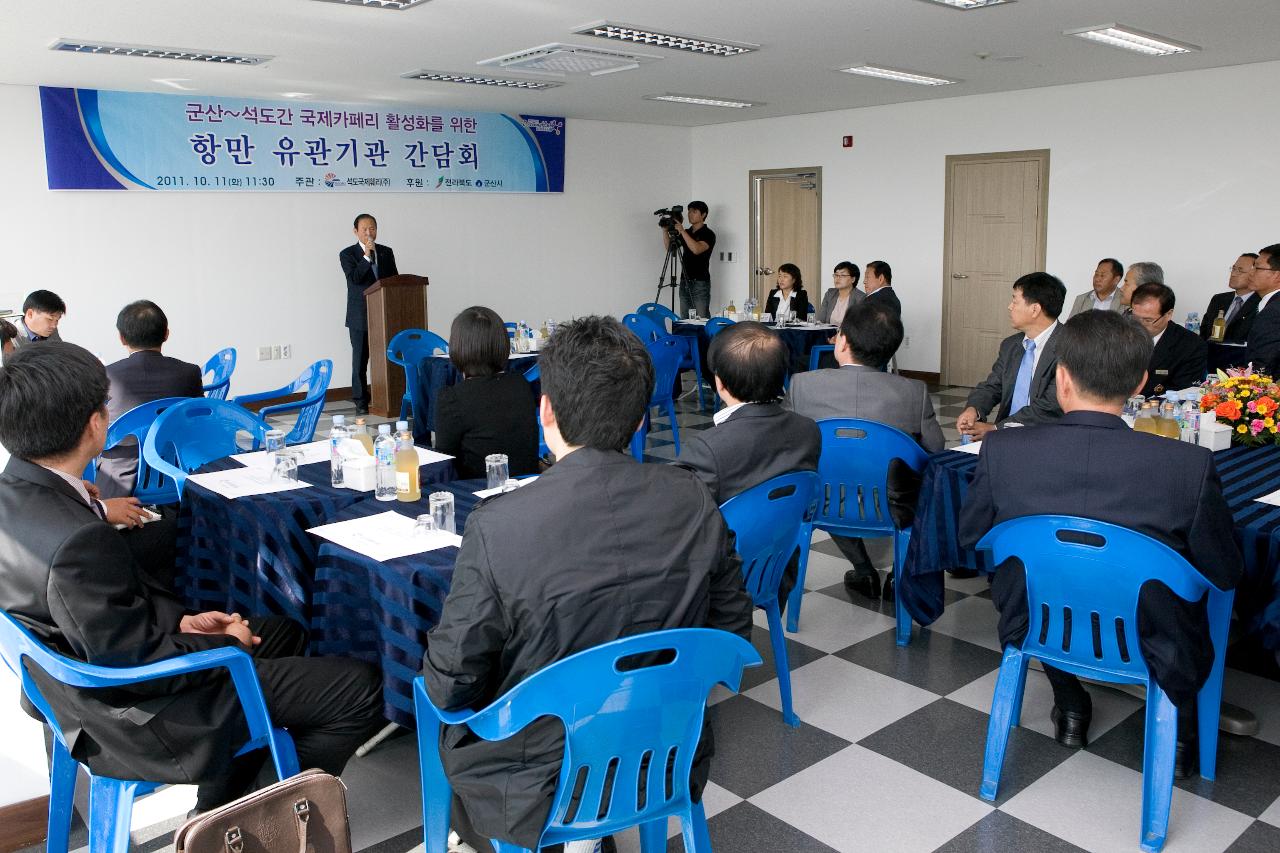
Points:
(1150, 321)
(1257, 268)
(841, 275)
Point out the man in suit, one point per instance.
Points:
(1179, 358)
(69, 577)
(145, 375)
(1104, 295)
(600, 547)
(1264, 337)
(42, 310)
(363, 264)
(879, 285)
(860, 388)
(1238, 306)
(1090, 464)
(1021, 387)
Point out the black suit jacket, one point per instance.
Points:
(1179, 360)
(600, 547)
(757, 442)
(1264, 339)
(1238, 328)
(359, 275)
(488, 414)
(997, 389)
(1091, 465)
(70, 578)
(799, 303)
(888, 296)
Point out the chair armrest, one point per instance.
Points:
(282, 407)
(173, 472)
(241, 399)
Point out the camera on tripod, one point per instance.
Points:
(670, 216)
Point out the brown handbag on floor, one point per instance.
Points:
(306, 813)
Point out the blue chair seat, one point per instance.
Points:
(691, 358)
(150, 486)
(193, 432)
(665, 352)
(407, 348)
(312, 383)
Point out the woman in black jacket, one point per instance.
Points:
(789, 295)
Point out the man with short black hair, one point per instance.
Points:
(42, 311)
(1180, 358)
(599, 548)
(879, 285)
(1264, 337)
(1238, 305)
(1089, 464)
(1021, 387)
(1104, 296)
(363, 264)
(696, 243)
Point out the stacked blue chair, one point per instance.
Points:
(665, 319)
(408, 348)
(853, 498)
(714, 326)
(645, 328)
(218, 369)
(1095, 570)
(152, 487)
(627, 725)
(815, 354)
(313, 383)
(111, 800)
(193, 432)
(770, 521)
(533, 374)
(665, 353)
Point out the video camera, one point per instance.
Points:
(670, 215)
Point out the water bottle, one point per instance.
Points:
(1193, 322)
(337, 435)
(384, 454)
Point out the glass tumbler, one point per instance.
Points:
(496, 470)
(442, 511)
(273, 441)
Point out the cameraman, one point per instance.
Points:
(695, 285)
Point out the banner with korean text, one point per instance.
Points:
(100, 140)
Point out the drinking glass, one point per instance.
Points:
(495, 468)
(693, 313)
(285, 466)
(273, 442)
(442, 511)
(424, 525)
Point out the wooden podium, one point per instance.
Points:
(393, 304)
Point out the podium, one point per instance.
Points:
(393, 304)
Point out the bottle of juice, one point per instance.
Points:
(1145, 421)
(1219, 327)
(408, 486)
(360, 433)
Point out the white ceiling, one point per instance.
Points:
(346, 53)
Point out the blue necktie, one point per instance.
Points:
(1022, 388)
(373, 262)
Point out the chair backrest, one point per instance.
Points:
(661, 315)
(853, 473)
(410, 346)
(511, 329)
(533, 374)
(666, 353)
(646, 329)
(217, 373)
(151, 486)
(193, 432)
(768, 522)
(716, 324)
(315, 381)
(1083, 579)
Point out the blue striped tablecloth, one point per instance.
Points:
(799, 341)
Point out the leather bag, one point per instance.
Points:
(306, 813)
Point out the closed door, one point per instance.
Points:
(995, 233)
(786, 227)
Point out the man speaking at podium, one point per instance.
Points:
(363, 264)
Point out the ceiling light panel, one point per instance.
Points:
(379, 4)
(563, 59)
(1127, 38)
(898, 76)
(702, 100)
(212, 57)
(497, 82)
(966, 5)
(672, 41)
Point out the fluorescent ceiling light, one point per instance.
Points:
(898, 75)
(506, 83)
(379, 4)
(702, 101)
(75, 46)
(674, 41)
(1127, 38)
(966, 5)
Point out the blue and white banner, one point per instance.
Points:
(99, 140)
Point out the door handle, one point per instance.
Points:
(764, 271)
(958, 275)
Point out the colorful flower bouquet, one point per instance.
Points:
(1247, 402)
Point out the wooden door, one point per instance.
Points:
(786, 227)
(995, 233)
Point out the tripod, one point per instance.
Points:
(672, 273)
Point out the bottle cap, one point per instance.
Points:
(384, 429)
(339, 420)
(401, 426)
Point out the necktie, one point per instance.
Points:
(1022, 388)
(1234, 309)
(374, 263)
(98, 509)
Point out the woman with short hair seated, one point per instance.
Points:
(491, 410)
(789, 295)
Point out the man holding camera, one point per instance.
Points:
(698, 240)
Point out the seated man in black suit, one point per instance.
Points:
(71, 579)
(600, 547)
(1021, 386)
(1090, 464)
(879, 285)
(1264, 338)
(1179, 358)
(1238, 306)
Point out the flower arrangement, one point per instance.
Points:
(1246, 401)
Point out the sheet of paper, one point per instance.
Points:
(315, 451)
(243, 482)
(426, 457)
(385, 536)
(1273, 499)
(974, 447)
(485, 493)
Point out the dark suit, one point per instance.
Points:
(488, 414)
(1238, 328)
(757, 442)
(888, 296)
(140, 378)
(360, 274)
(1264, 338)
(829, 299)
(1179, 360)
(799, 303)
(1090, 464)
(997, 389)
(600, 547)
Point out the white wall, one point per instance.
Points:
(24, 771)
(254, 269)
(1176, 168)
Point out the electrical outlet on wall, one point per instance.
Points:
(275, 351)
(286, 350)
(906, 343)
(264, 353)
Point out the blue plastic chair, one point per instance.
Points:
(665, 319)
(110, 799)
(218, 370)
(624, 724)
(1078, 566)
(193, 432)
(716, 324)
(406, 349)
(533, 374)
(665, 353)
(314, 383)
(770, 521)
(853, 498)
(151, 486)
(815, 354)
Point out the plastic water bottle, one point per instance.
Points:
(384, 454)
(337, 435)
(1193, 322)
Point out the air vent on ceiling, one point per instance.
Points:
(561, 60)
(673, 41)
(479, 80)
(191, 55)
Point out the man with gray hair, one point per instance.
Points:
(1143, 272)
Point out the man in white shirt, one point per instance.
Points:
(1105, 292)
(1264, 338)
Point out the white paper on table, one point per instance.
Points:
(487, 493)
(315, 451)
(1273, 499)
(385, 536)
(244, 482)
(426, 457)
(974, 447)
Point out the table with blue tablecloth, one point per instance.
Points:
(435, 373)
(253, 554)
(381, 612)
(798, 339)
(1247, 473)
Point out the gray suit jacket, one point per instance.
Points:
(756, 443)
(997, 389)
(855, 391)
(829, 299)
(24, 336)
(1084, 302)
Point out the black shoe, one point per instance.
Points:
(1186, 759)
(361, 409)
(963, 574)
(1072, 727)
(867, 583)
(887, 592)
